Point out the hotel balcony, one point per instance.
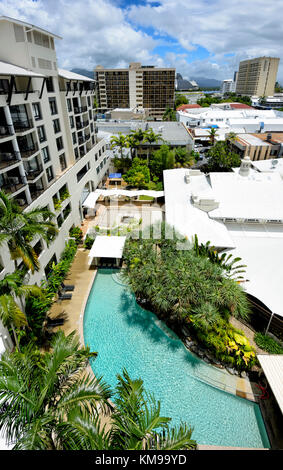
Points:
(79, 110)
(36, 191)
(33, 173)
(12, 184)
(28, 150)
(6, 131)
(8, 158)
(23, 125)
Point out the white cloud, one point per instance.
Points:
(102, 32)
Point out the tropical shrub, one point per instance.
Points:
(77, 233)
(268, 344)
(37, 307)
(88, 242)
(184, 287)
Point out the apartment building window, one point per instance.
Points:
(96, 157)
(63, 163)
(91, 127)
(90, 114)
(92, 139)
(56, 126)
(76, 153)
(74, 138)
(83, 171)
(59, 143)
(45, 154)
(4, 86)
(72, 124)
(53, 106)
(69, 105)
(88, 100)
(41, 134)
(36, 111)
(49, 84)
(49, 174)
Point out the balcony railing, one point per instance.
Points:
(35, 192)
(27, 151)
(9, 158)
(5, 131)
(12, 184)
(34, 172)
(78, 110)
(23, 125)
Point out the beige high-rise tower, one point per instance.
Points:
(257, 77)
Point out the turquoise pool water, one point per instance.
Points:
(127, 336)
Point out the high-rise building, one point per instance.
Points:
(257, 77)
(50, 155)
(139, 86)
(227, 86)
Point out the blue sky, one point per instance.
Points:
(205, 38)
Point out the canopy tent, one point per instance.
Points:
(272, 366)
(92, 197)
(107, 247)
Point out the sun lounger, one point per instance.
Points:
(67, 287)
(63, 296)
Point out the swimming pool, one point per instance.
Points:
(127, 336)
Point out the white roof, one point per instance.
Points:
(73, 76)
(10, 69)
(272, 365)
(261, 248)
(107, 247)
(27, 25)
(187, 219)
(92, 197)
(256, 196)
(269, 166)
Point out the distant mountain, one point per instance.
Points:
(86, 73)
(207, 82)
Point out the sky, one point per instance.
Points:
(200, 38)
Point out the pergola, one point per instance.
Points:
(106, 247)
(90, 201)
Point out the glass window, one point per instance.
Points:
(53, 106)
(45, 154)
(59, 143)
(72, 124)
(49, 174)
(56, 126)
(62, 160)
(36, 111)
(49, 84)
(41, 134)
(69, 105)
(74, 138)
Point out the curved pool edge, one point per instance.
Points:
(89, 367)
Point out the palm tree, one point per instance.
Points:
(138, 136)
(48, 401)
(11, 314)
(18, 229)
(169, 115)
(132, 144)
(212, 135)
(120, 142)
(151, 138)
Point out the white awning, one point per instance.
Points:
(10, 69)
(107, 247)
(92, 197)
(272, 366)
(73, 76)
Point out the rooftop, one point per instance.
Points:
(73, 76)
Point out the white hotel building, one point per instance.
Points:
(48, 135)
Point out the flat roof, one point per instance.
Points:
(107, 247)
(11, 69)
(28, 25)
(272, 366)
(256, 196)
(73, 76)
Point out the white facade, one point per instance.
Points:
(48, 136)
(228, 86)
